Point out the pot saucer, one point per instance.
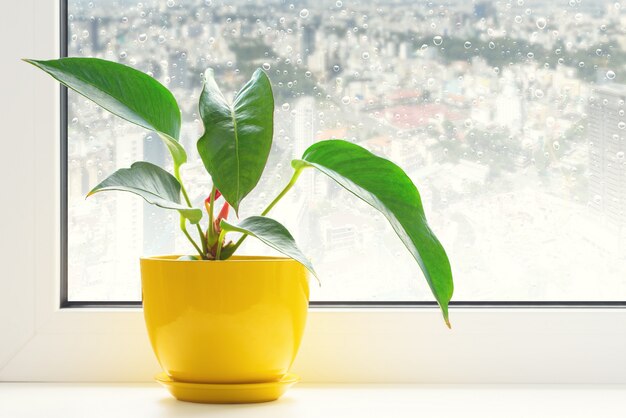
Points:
(227, 392)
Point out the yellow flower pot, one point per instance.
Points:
(225, 324)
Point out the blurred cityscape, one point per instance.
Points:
(507, 115)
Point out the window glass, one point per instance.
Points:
(508, 116)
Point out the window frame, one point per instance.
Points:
(491, 342)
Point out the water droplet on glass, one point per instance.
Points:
(556, 145)
(123, 54)
(620, 155)
(304, 13)
(170, 3)
(339, 4)
(307, 74)
(538, 93)
(621, 125)
(437, 40)
(365, 55)
(161, 39)
(610, 75)
(518, 19)
(541, 23)
(285, 106)
(345, 100)
(598, 52)
(266, 66)
(142, 37)
(492, 45)
(336, 68)
(467, 45)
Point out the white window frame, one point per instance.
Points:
(41, 342)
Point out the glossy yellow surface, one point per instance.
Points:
(234, 321)
(228, 393)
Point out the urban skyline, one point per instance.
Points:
(509, 117)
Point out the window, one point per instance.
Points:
(487, 344)
(509, 116)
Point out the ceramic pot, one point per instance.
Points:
(238, 321)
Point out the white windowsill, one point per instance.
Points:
(51, 400)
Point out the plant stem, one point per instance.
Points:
(220, 239)
(188, 201)
(183, 227)
(288, 187)
(212, 205)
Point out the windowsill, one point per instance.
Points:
(51, 400)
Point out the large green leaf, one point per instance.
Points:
(125, 92)
(273, 234)
(386, 187)
(237, 138)
(151, 182)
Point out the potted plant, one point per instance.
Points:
(226, 328)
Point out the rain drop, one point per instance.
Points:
(492, 45)
(266, 66)
(365, 55)
(556, 145)
(142, 37)
(437, 40)
(541, 23)
(285, 106)
(467, 45)
(304, 13)
(345, 100)
(610, 74)
(170, 3)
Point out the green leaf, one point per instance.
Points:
(386, 187)
(237, 138)
(151, 182)
(125, 92)
(273, 234)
